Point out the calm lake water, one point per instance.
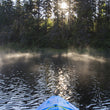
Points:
(27, 80)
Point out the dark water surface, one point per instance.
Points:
(27, 80)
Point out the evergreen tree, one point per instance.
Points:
(56, 11)
(84, 22)
(6, 12)
(38, 13)
(47, 9)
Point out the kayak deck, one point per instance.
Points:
(56, 103)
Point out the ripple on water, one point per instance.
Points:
(15, 95)
(22, 90)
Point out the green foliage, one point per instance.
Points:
(30, 23)
(6, 12)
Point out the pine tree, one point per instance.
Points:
(56, 11)
(6, 11)
(38, 13)
(47, 9)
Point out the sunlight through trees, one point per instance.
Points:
(64, 5)
(56, 23)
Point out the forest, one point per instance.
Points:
(55, 23)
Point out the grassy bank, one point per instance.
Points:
(12, 47)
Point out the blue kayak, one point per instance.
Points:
(56, 103)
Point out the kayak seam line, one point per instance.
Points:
(56, 106)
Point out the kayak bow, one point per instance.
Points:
(56, 103)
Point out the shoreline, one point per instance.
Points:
(9, 48)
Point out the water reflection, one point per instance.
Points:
(26, 80)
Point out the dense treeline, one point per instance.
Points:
(47, 23)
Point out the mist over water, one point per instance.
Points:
(28, 79)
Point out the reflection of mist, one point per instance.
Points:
(13, 57)
(8, 58)
(82, 57)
